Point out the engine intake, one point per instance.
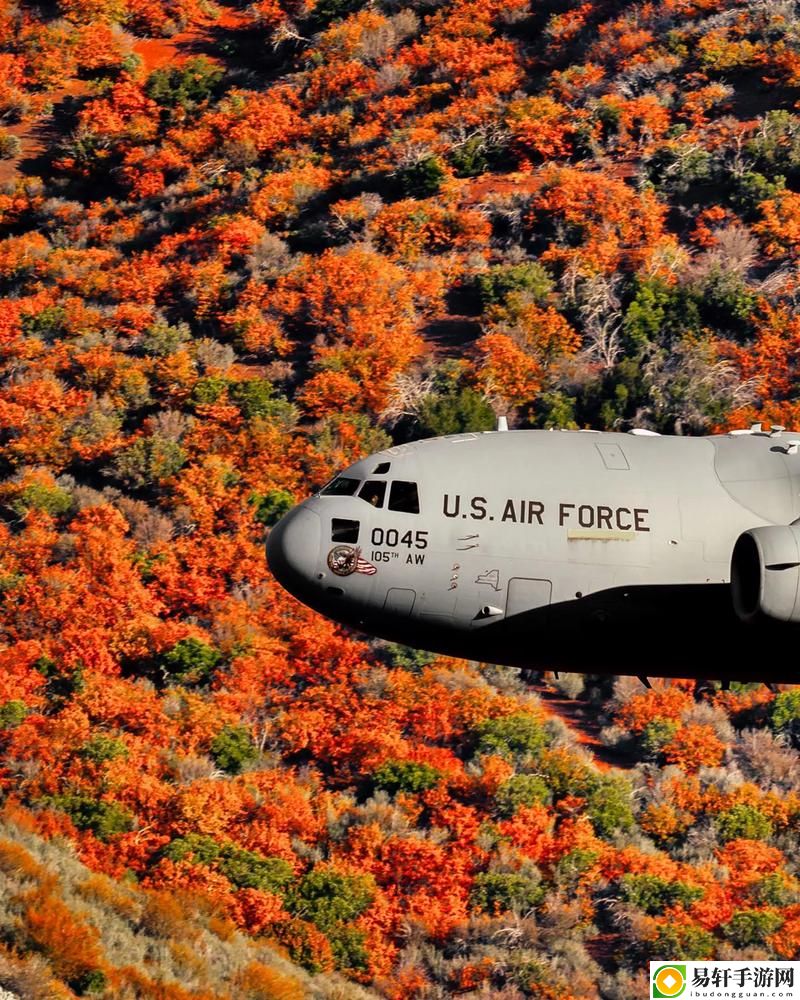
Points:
(765, 573)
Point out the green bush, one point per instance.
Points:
(245, 869)
(653, 895)
(775, 146)
(471, 158)
(61, 686)
(249, 870)
(10, 581)
(255, 397)
(148, 460)
(328, 898)
(406, 657)
(326, 11)
(89, 983)
(573, 866)
(771, 890)
(256, 400)
(750, 188)
(685, 943)
(232, 748)
(567, 774)
(531, 974)
(726, 303)
(349, 947)
(46, 666)
(209, 389)
(194, 847)
(785, 710)
(608, 805)
(37, 496)
(497, 892)
(520, 790)
(743, 821)
(495, 285)
(618, 394)
(10, 145)
(608, 115)
(185, 86)
(675, 168)
(405, 776)
(12, 713)
(161, 340)
(748, 928)
(189, 661)
(102, 748)
(270, 507)
(555, 409)
(659, 313)
(454, 412)
(422, 179)
(511, 736)
(104, 819)
(47, 324)
(655, 736)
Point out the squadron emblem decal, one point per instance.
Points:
(344, 560)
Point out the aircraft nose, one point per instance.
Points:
(293, 550)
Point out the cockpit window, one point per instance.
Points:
(381, 469)
(343, 530)
(404, 497)
(340, 487)
(373, 491)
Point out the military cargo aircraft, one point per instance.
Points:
(564, 550)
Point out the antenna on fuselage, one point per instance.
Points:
(502, 423)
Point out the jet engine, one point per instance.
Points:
(765, 573)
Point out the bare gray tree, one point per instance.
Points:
(598, 305)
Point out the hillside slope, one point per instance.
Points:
(63, 924)
(240, 247)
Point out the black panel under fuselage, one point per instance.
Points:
(670, 631)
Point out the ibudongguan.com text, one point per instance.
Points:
(739, 994)
(743, 983)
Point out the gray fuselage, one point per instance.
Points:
(599, 552)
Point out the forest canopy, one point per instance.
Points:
(241, 246)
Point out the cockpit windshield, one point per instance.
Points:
(404, 497)
(341, 486)
(373, 491)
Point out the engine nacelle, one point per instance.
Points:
(765, 573)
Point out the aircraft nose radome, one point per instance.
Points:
(293, 550)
